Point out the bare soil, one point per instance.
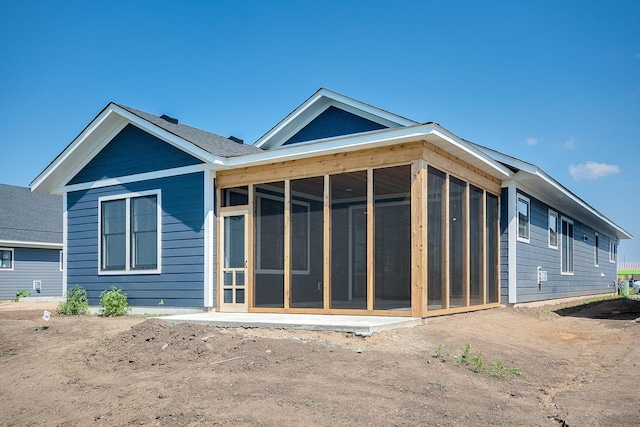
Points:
(571, 366)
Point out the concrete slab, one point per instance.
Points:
(359, 325)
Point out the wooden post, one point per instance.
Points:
(447, 275)
(287, 244)
(250, 249)
(326, 251)
(371, 269)
(418, 238)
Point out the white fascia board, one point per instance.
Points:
(24, 244)
(70, 149)
(331, 98)
(172, 139)
(116, 118)
(371, 139)
(542, 175)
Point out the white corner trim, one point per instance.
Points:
(512, 244)
(209, 233)
(65, 252)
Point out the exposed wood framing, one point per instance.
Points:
(419, 245)
(287, 243)
(371, 238)
(250, 250)
(326, 240)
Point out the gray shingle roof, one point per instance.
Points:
(210, 142)
(29, 217)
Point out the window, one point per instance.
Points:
(61, 260)
(523, 218)
(553, 229)
(567, 246)
(596, 257)
(6, 259)
(613, 252)
(130, 233)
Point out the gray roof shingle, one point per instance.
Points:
(29, 217)
(210, 142)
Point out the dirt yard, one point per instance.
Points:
(575, 367)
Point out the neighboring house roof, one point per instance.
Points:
(29, 219)
(546, 188)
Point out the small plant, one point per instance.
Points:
(465, 357)
(22, 293)
(113, 302)
(441, 354)
(75, 303)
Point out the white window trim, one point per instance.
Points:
(127, 197)
(554, 214)
(258, 220)
(596, 257)
(573, 258)
(528, 202)
(613, 252)
(13, 259)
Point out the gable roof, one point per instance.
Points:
(317, 104)
(210, 142)
(29, 219)
(550, 191)
(202, 145)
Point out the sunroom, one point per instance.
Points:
(399, 229)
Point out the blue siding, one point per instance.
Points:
(587, 278)
(333, 122)
(181, 283)
(32, 264)
(504, 246)
(133, 151)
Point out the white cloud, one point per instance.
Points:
(570, 144)
(532, 141)
(592, 171)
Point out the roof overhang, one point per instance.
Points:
(24, 244)
(316, 105)
(102, 129)
(431, 132)
(542, 186)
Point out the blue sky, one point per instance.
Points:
(553, 83)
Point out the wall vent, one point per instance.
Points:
(37, 285)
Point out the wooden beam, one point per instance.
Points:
(466, 244)
(371, 270)
(250, 249)
(318, 166)
(419, 260)
(326, 240)
(447, 275)
(445, 162)
(287, 243)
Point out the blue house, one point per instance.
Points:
(340, 208)
(30, 243)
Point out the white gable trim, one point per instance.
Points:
(316, 105)
(96, 136)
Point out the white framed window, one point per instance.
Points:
(61, 260)
(613, 252)
(6, 259)
(524, 218)
(553, 229)
(596, 255)
(129, 227)
(566, 241)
